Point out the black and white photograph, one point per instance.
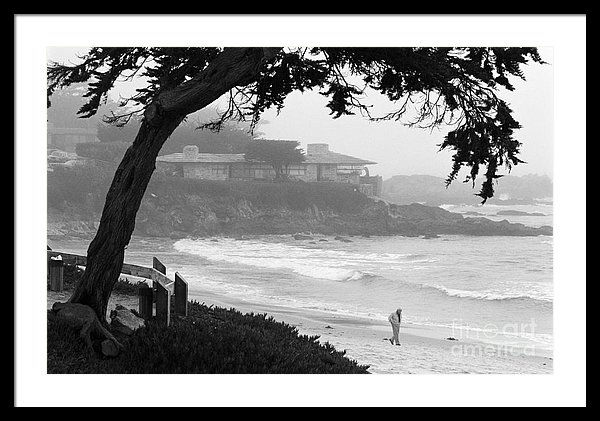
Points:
(382, 199)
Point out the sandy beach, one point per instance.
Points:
(423, 350)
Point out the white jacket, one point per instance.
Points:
(394, 318)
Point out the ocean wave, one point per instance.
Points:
(349, 266)
(417, 257)
(313, 262)
(330, 273)
(489, 295)
(259, 295)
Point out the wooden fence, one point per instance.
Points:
(157, 298)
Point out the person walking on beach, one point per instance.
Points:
(395, 318)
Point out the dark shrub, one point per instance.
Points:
(66, 352)
(126, 287)
(216, 340)
(209, 340)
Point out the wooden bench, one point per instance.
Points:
(161, 293)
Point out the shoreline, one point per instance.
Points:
(423, 350)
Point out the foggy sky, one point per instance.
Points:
(398, 149)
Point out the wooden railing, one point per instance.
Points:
(161, 293)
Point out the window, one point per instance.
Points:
(219, 170)
(295, 170)
(349, 169)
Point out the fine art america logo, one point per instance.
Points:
(476, 339)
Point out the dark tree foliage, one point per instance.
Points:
(280, 154)
(429, 87)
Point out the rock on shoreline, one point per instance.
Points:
(511, 212)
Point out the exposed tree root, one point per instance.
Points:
(83, 318)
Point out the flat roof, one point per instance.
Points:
(335, 158)
(232, 158)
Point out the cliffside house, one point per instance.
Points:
(320, 164)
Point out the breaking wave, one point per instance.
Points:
(491, 295)
(333, 265)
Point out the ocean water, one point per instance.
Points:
(497, 290)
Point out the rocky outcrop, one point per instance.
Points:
(302, 237)
(416, 219)
(511, 212)
(194, 214)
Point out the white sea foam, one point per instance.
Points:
(539, 294)
(346, 266)
(257, 294)
(334, 265)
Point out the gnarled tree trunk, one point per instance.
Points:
(107, 250)
(233, 67)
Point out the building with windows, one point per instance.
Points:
(320, 164)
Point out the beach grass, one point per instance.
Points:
(209, 340)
